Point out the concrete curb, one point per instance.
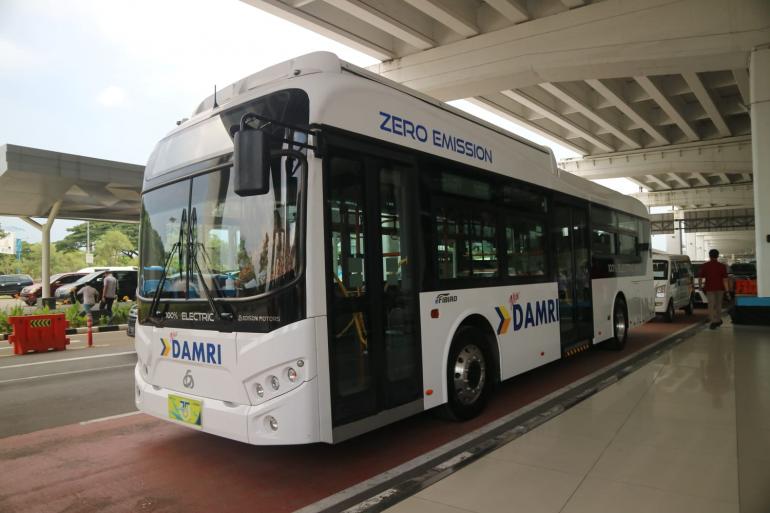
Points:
(75, 331)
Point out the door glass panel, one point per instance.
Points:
(398, 289)
(580, 241)
(349, 337)
(561, 242)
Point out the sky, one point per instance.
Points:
(108, 78)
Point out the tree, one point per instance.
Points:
(76, 240)
(112, 248)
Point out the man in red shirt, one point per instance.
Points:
(715, 274)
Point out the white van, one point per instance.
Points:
(674, 283)
(89, 270)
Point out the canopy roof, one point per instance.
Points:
(33, 180)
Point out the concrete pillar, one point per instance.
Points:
(674, 241)
(759, 72)
(45, 247)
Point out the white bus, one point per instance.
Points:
(324, 252)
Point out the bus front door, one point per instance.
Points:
(373, 323)
(569, 241)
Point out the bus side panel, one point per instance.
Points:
(525, 319)
(639, 295)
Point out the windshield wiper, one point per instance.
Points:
(177, 247)
(193, 261)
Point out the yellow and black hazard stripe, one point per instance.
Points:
(572, 351)
(39, 323)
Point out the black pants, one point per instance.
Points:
(108, 305)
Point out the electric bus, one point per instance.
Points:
(324, 252)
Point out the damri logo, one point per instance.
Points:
(525, 315)
(203, 352)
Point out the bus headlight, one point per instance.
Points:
(292, 375)
(260, 390)
(660, 291)
(272, 422)
(275, 383)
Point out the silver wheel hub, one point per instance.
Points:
(620, 324)
(469, 374)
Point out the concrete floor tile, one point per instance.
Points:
(493, 485)
(584, 422)
(418, 505)
(699, 474)
(667, 433)
(570, 454)
(600, 495)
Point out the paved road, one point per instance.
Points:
(39, 391)
(139, 463)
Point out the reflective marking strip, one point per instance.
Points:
(102, 419)
(66, 360)
(451, 462)
(372, 501)
(40, 323)
(67, 373)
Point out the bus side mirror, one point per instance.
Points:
(251, 162)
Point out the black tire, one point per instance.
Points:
(469, 374)
(670, 311)
(690, 307)
(619, 325)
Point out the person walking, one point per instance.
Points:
(715, 274)
(109, 292)
(89, 298)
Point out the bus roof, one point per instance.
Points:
(354, 99)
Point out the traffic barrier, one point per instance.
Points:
(746, 287)
(38, 333)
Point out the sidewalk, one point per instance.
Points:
(670, 437)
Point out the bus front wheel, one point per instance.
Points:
(619, 325)
(469, 376)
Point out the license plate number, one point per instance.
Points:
(186, 410)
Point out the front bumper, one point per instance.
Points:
(296, 412)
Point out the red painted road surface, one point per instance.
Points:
(141, 464)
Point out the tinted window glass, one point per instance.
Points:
(525, 247)
(602, 242)
(466, 244)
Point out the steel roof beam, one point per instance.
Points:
(678, 179)
(657, 95)
(507, 112)
(514, 10)
(615, 99)
(545, 111)
(384, 22)
(705, 99)
(560, 93)
(657, 181)
(448, 14)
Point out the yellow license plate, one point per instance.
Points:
(185, 410)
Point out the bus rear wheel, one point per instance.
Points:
(469, 376)
(619, 325)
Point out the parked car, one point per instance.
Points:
(674, 284)
(126, 285)
(31, 293)
(132, 316)
(743, 271)
(11, 284)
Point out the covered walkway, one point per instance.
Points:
(688, 431)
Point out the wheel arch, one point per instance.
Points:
(481, 323)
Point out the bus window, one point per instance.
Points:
(525, 246)
(602, 242)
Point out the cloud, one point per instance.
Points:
(15, 58)
(112, 96)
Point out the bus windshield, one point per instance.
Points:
(239, 246)
(659, 269)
